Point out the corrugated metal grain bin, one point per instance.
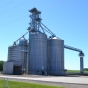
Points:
(37, 53)
(55, 56)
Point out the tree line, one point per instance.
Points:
(1, 65)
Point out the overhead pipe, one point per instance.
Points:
(81, 55)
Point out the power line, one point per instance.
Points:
(14, 7)
(6, 3)
(13, 20)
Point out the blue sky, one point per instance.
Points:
(68, 19)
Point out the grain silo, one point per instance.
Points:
(14, 53)
(37, 53)
(37, 45)
(23, 51)
(55, 56)
(13, 65)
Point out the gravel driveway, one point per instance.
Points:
(77, 82)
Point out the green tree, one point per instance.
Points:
(1, 65)
(85, 69)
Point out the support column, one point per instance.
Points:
(81, 55)
(81, 65)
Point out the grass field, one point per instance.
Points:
(75, 71)
(14, 84)
(68, 71)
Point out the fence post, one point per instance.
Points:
(5, 82)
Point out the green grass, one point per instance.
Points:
(75, 71)
(14, 84)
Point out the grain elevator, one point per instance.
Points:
(40, 54)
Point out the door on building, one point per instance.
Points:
(17, 70)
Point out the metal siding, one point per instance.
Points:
(27, 65)
(23, 41)
(24, 56)
(14, 53)
(37, 52)
(8, 68)
(56, 56)
(81, 65)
